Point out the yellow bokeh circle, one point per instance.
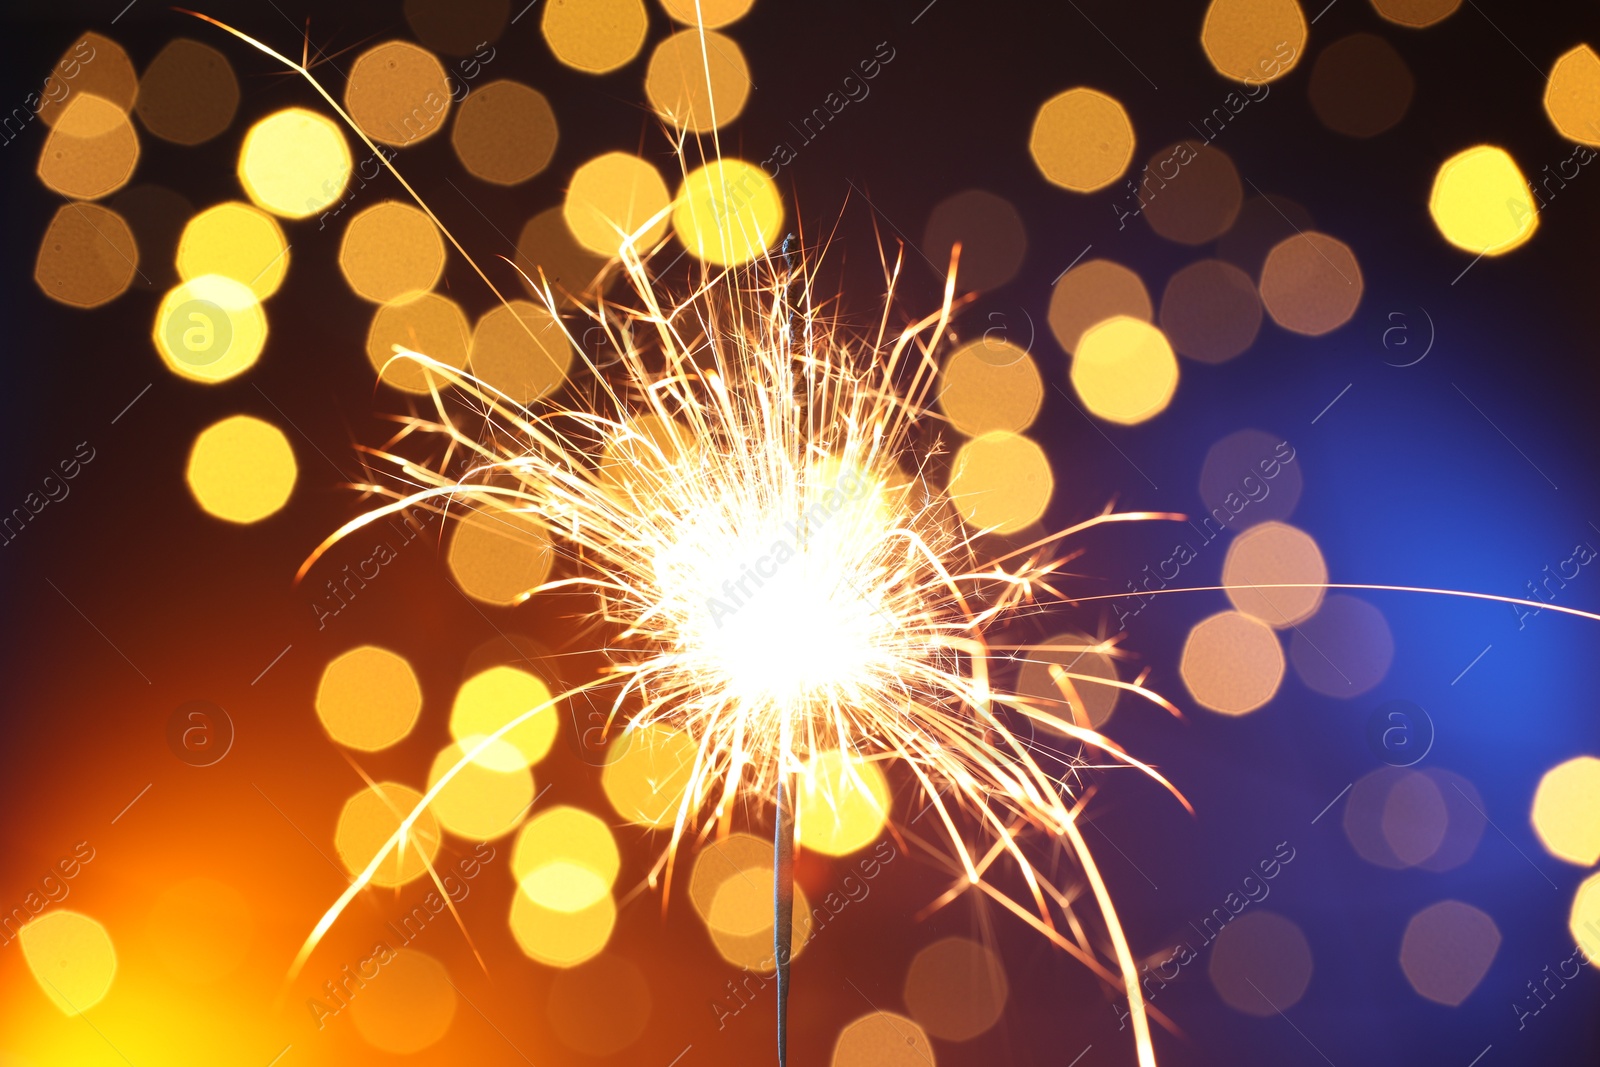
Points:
(697, 85)
(499, 559)
(72, 958)
(1000, 482)
(480, 802)
(368, 698)
(391, 249)
(294, 163)
(1232, 663)
(1124, 370)
(495, 697)
(647, 782)
(612, 198)
(241, 469)
(728, 212)
(370, 818)
(210, 328)
(1566, 811)
(841, 803)
(425, 323)
(594, 36)
(1082, 140)
(1482, 203)
(236, 241)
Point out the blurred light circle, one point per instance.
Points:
(1415, 13)
(1271, 553)
(1583, 921)
(1082, 140)
(883, 1039)
(1200, 197)
(1360, 86)
(1232, 663)
(294, 163)
(1260, 964)
(1248, 477)
(549, 254)
(1344, 649)
(1566, 811)
(1210, 311)
(841, 803)
(739, 920)
(1253, 41)
(1091, 293)
(504, 133)
(425, 323)
(1447, 949)
(72, 958)
(210, 328)
(571, 836)
(594, 36)
(412, 1006)
(599, 1007)
(520, 350)
(480, 802)
(398, 93)
(1400, 817)
(389, 250)
(237, 241)
(1572, 96)
(94, 65)
(367, 822)
(991, 235)
(1311, 283)
(494, 697)
(561, 938)
(241, 469)
(697, 85)
(956, 989)
(646, 783)
(368, 698)
(499, 558)
(990, 385)
(709, 13)
(91, 152)
(1124, 370)
(1000, 482)
(1481, 202)
(1072, 652)
(717, 861)
(1414, 819)
(728, 212)
(188, 93)
(611, 198)
(87, 257)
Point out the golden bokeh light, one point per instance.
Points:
(94, 64)
(1415, 13)
(1232, 663)
(1210, 311)
(1311, 283)
(188, 93)
(956, 989)
(739, 919)
(368, 699)
(841, 803)
(549, 254)
(481, 802)
(599, 1007)
(1572, 97)
(1344, 649)
(1481, 202)
(989, 384)
(1124, 370)
(505, 133)
(493, 697)
(1360, 86)
(697, 89)
(1000, 482)
(883, 1039)
(561, 938)
(656, 445)
(728, 212)
(236, 241)
(1091, 293)
(594, 36)
(1093, 705)
(991, 234)
(370, 818)
(210, 328)
(1082, 140)
(71, 957)
(570, 836)
(1583, 922)
(294, 163)
(613, 196)
(87, 257)
(390, 250)
(458, 27)
(201, 929)
(499, 558)
(1566, 811)
(520, 350)
(398, 93)
(1254, 41)
(1447, 949)
(717, 861)
(1260, 964)
(1201, 203)
(410, 1009)
(1271, 553)
(241, 469)
(708, 13)
(646, 783)
(92, 151)
(425, 323)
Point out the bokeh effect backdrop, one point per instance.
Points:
(1319, 276)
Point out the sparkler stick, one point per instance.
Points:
(783, 909)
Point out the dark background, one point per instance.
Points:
(1404, 483)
